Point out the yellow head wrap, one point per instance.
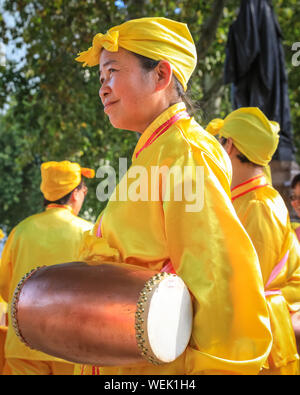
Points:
(1, 234)
(60, 178)
(155, 38)
(252, 133)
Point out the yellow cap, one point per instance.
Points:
(252, 133)
(155, 38)
(60, 178)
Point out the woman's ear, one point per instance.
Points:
(74, 196)
(229, 146)
(163, 75)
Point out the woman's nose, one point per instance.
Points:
(104, 91)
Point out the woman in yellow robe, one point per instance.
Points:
(250, 139)
(148, 222)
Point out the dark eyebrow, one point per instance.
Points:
(107, 64)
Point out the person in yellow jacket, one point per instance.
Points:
(3, 323)
(250, 140)
(145, 65)
(295, 202)
(46, 238)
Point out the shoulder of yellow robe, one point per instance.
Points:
(51, 219)
(264, 206)
(206, 149)
(274, 203)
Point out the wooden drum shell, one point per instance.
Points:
(86, 314)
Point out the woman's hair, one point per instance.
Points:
(241, 157)
(149, 64)
(65, 199)
(295, 181)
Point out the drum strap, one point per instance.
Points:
(275, 273)
(168, 268)
(99, 233)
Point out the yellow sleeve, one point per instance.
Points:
(213, 254)
(291, 288)
(94, 249)
(6, 268)
(273, 239)
(267, 240)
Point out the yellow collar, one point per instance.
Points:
(160, 120)
(64, 206)
(249, 185)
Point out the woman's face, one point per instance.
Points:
(295, 199)
(127, 91)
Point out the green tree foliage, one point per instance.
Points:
(51, 109)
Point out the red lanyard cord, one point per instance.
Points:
(162, 129)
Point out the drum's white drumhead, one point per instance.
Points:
(170, 317)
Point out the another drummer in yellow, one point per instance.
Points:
(250, 140)
(47, 238)
(145, 65)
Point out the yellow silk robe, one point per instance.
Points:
(3, 328)
(296, 228)
(209, 250)
(264, 215)
(48, 238)
(3, 331)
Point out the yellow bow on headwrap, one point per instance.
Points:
(215, 126)
(60, 178)
(108, 41)
(155, 38)
(252, 133)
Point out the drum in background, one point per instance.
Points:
(104, 315)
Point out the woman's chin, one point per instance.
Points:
(113, 120)
(118, 124)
